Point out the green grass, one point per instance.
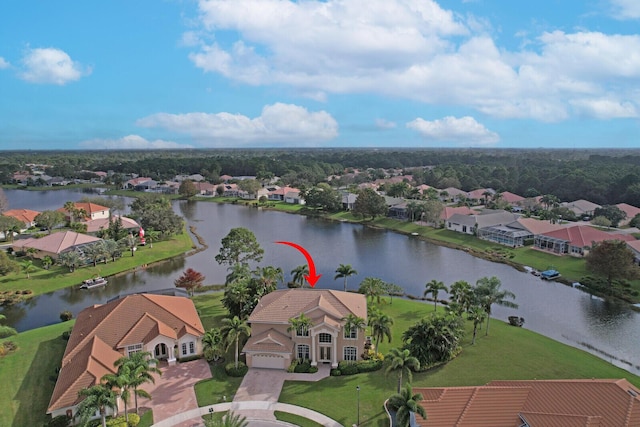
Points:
(26, 387)
(58, 277)
(507, 353)
(295, 420)
(211, 391)
(146, 420)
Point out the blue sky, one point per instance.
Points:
(334, 73)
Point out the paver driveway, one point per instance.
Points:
(173, 391)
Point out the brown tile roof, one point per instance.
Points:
(101, 329)
(536, 226)
(94, 225)
(89, 208)
(270, 341)
(554, 403)
(582, 235)
(511, 197)
(25, 215)
(447, 211)
(57, 242)
(281, 305)
(631, 211)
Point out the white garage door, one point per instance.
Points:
(270, 361)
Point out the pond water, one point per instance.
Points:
(607, 329)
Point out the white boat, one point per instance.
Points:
(93, 283)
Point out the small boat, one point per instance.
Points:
(550, 274)
(93, 283)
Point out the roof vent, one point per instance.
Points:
(632, 393)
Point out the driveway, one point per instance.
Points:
(173, 391)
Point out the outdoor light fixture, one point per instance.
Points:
(358, 390)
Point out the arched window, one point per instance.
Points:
(324, 338)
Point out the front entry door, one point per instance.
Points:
(325, 354)
(161, 351)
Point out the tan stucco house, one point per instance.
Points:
(55, 243)
(166, 326)
(325, 342)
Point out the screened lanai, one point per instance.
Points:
(504, 235)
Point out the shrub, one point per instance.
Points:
(335, 372)
(189, 358)
(9, 346)
(117, 422)
(369, 365)
(303, 367)
(66, 335)
(293, 365)
(59, 421)
(348, 368)
(232, 371)
(313, 369)
(66, 315)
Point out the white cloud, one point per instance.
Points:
(414, 49)
(465, 130)
(51, 66)
(130, 142)
(4, 63)
(626, 9)
(385, 124)
(278, 123)
(605, 108)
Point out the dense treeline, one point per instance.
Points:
(602, 176)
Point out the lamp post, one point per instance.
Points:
(358, 393)
(211, 413)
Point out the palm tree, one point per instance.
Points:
(268, 277)
(372, 287)
(47, 262)
(434, 287)
(151, 236)
(404, 403)
(461, 294)
(27, 267)
(237, 272)
(403, 362)
(477, 315)
(381, 327)
(351, 322)
(298, 274)
(112, 249)
(300, 325)
(141, 366)
(94, 252)
(488, 293)
(69, 259)
(130, 242)
(344, 270)
(96, 398)
(70, 207)
(212, 344)
(120, 381)
(229, 420)
(232, 330)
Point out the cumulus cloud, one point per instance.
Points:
(465, 130)
(130, 142)
(385, 124)
(626, 9)
(51, 66)
(413, 49)
(278, 123)
(605, 108)
(4, 63)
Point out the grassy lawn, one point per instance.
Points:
(146, 420)
(507, 353)
(296, 420)
(213, 390)
(26, 387)
(57, 277)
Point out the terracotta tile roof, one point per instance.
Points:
(536, 226)
(448, 211)
(101, 329)
(479, 193)
(270, 341)
(57, 242)
(281, 305)
(631, 211)
(583, 236)
(95, 225)
(511, 197)
(555, 403)
(89, 208)
(25, 215)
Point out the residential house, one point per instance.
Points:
(635, 248)
(91, 210)
(479, 196)
(451, 194)
(515, 201)
(196, 177)
(582, 208)
(95, 225)
(629, 210)
(399, 211)
(231, 190)
(348, 201)
(469, 224)
(26, 216)
(271, 345)
(517, 233)
(293, 197)
(56, 243)
(280, 193)
(134, 182)
(576, 240)
(449, 211)
(205, 188)
(168, 327)
(226, 178)
(533, 403)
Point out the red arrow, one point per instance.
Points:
(312, 278)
